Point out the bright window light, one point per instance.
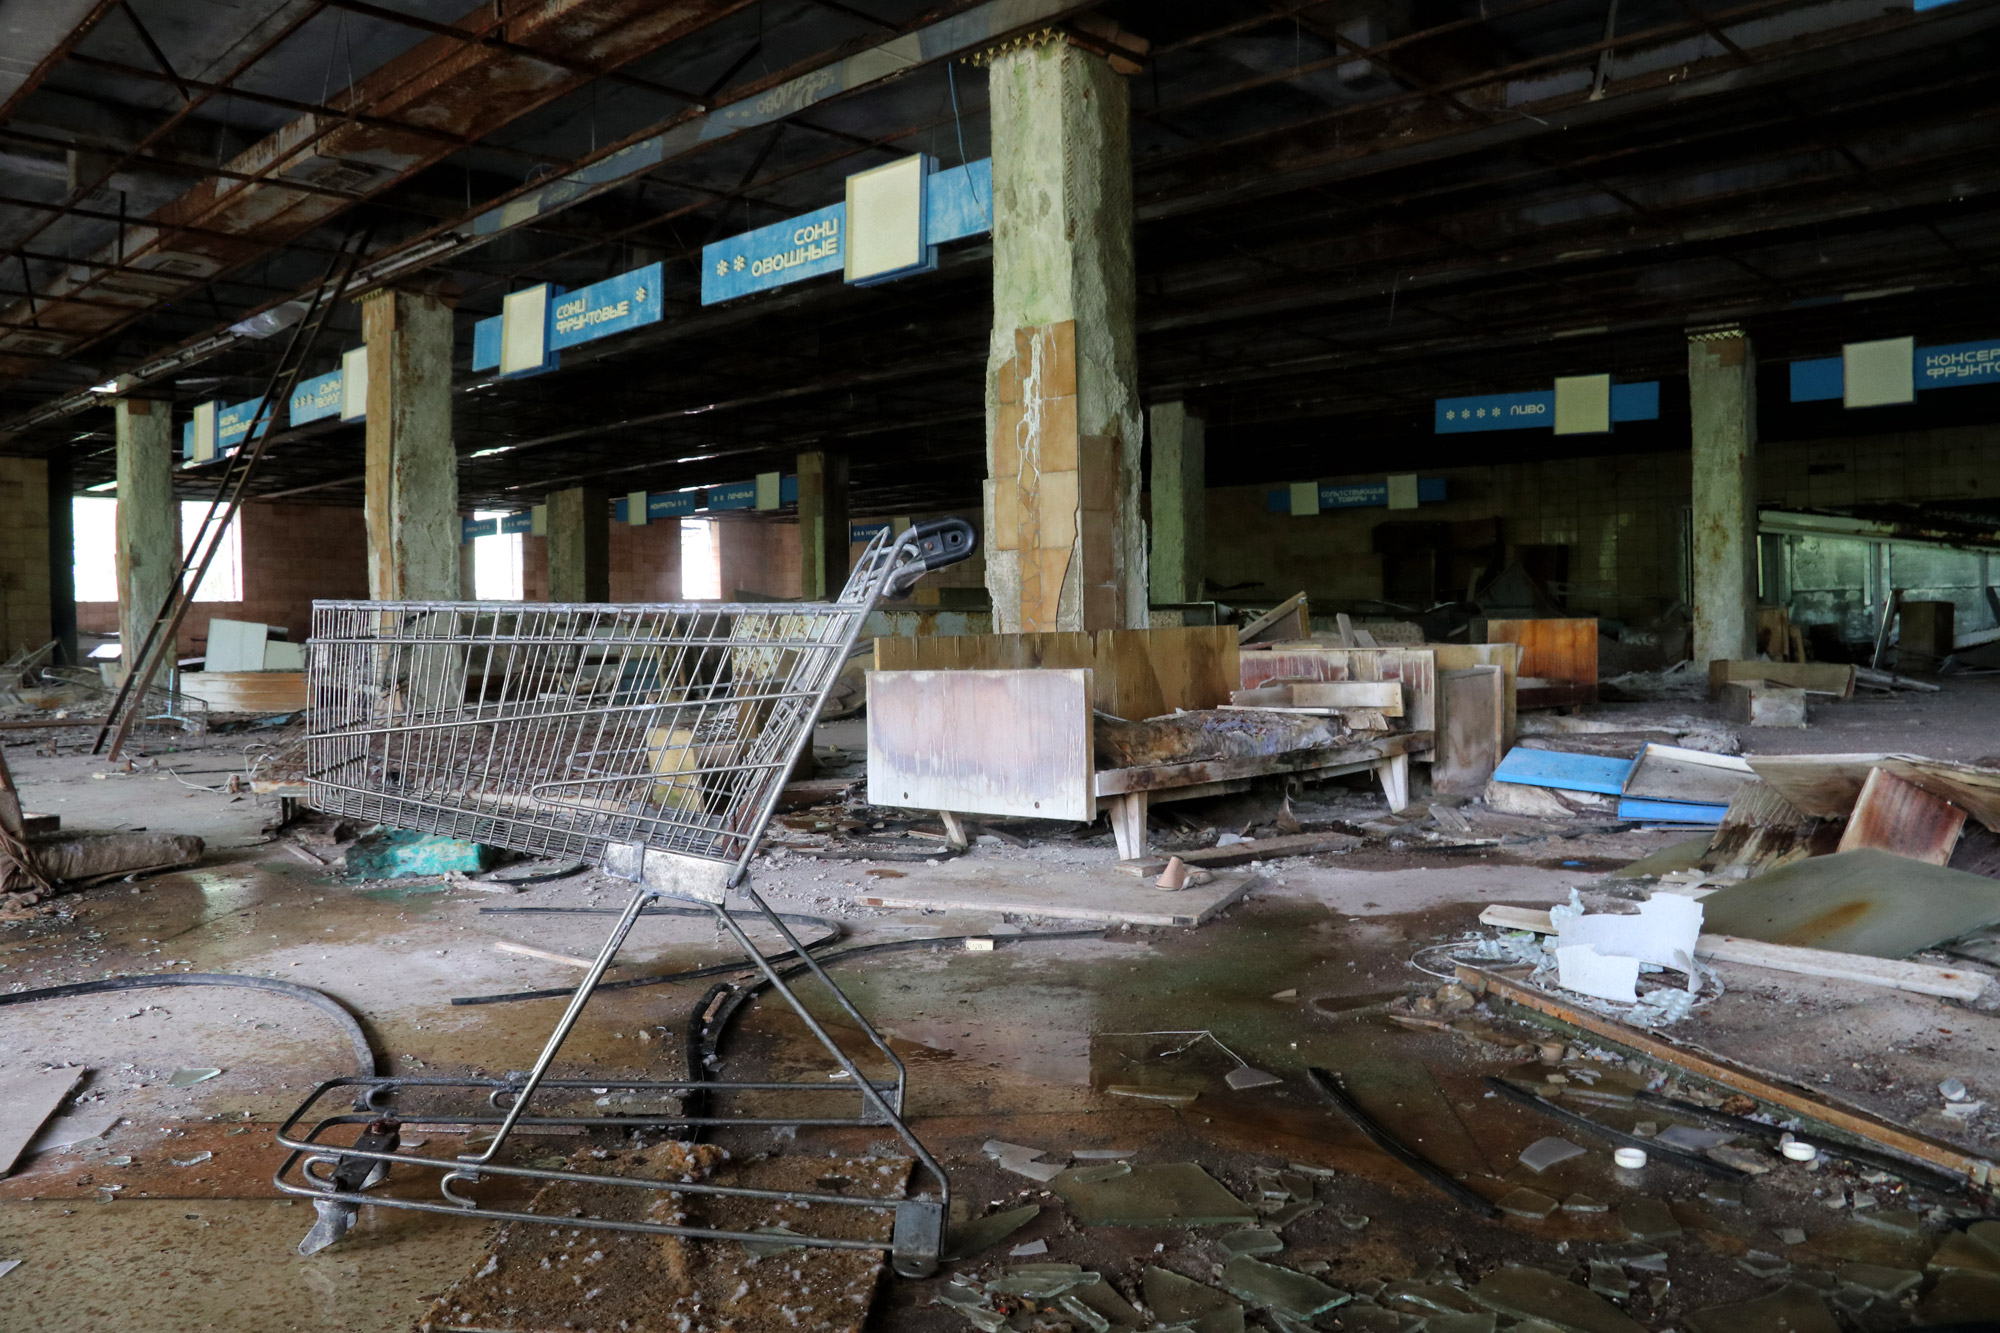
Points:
(224, 582)
(701, 563)
(96, 551)
(496, 563)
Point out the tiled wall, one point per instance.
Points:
(24, 554)
(1619, 516)
(1960, 462)
(291, 555)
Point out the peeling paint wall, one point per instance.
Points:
(412, 488)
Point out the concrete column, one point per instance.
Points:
(1065, 547)
(1180, 503)
(412, 500)
(468, 572)
(822, 526)
(149, 519)
(580, 545)
(1722, 400)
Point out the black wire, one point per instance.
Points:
(1692, 1161)
(1329, 1087)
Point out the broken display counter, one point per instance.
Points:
(1029, 743)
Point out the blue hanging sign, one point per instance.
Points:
(1537, 409)
(518, 523)
(1946, 366)
(471, 528)
(736, 495)
(626, 301)
(1356, 495)
(232, 425)
(667, 504)
(316, 398)
(857, 533)
(958, 202)
(784, 252)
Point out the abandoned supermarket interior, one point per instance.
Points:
(999, 666)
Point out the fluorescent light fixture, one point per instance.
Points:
(488, 453)
(109, 386)
(102, 486)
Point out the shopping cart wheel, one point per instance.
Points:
(918, 1239)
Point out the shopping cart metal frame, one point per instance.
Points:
(405, 731)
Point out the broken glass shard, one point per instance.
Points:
(1791, 1309)
(195, 1159)
(1648, 1219)
(1178, 1300)
(1901, 1221)
(1165, 1096)
(1637, 1254)
(1608, 1279)
(1167, 1194)
(1878, 1280)
(1257, 1240)
(1531, 1204)
(1544, 1153)
(765, 1249)
(966, 1239)
(187, 1078)
(1961, 1253)
(1021, 1160)
(1757, 1263)
(1243, 1076)
(1530, 1293)
(1583, 1203)
(1692, 1139)
(1723, 1194)
(1279, 1289)
(1960, 1298)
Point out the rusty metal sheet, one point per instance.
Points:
(983, 742)
(1828, 785)
(1901, 817)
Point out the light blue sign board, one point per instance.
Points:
(1566, 772)
(471, 528)
(1362, 495)
(959, 202)
(784, 252)
(521, 522)
(316, 398)
(1954, 364)
(486, 334)
(627, 301)
(1946, 366)
(1671, 812)
(865, 532)
(670, 504)
(736, 495)
(1528, 411)
(232, 426)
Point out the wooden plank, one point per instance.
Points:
(1097, 895)
(1828, 785)
(247, 691)
(1385, 696)
(1672, 773)
(982, 742)
(1976, 1170)
(1140, 673)
(1834, 678)
(1506, 656)
(1116, 781)
(1562, 652)
(1415, 668)
(1289, 619)
(27, 1098)
(1901, 817)
(1761, 830)
(1893, 973)
(1471, 725)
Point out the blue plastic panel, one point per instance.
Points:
(1565, 772)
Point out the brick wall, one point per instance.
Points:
(291, 555)
(759, 555)
(24, 554)
(645, 563)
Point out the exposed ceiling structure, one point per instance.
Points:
(1345, 211)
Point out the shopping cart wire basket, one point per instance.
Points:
(652, 739)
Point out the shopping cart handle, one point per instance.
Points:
(941, 542)
(945, 541)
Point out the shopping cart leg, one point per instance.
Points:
(598, 965)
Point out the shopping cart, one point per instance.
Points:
(652, 739)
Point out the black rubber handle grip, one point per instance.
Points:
(945, 541)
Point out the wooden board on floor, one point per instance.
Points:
(247, 691)
(1974, 1169)
(1140, 673)
(27, 1098)
(1834, 678)
(983, 742)
(1900, 817)
(1952, 983)
(1672, 773)
(1289, 619)
(1102, 894)
(1561, 652)
(1828, 785)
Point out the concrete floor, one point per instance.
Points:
(1017, 1044)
